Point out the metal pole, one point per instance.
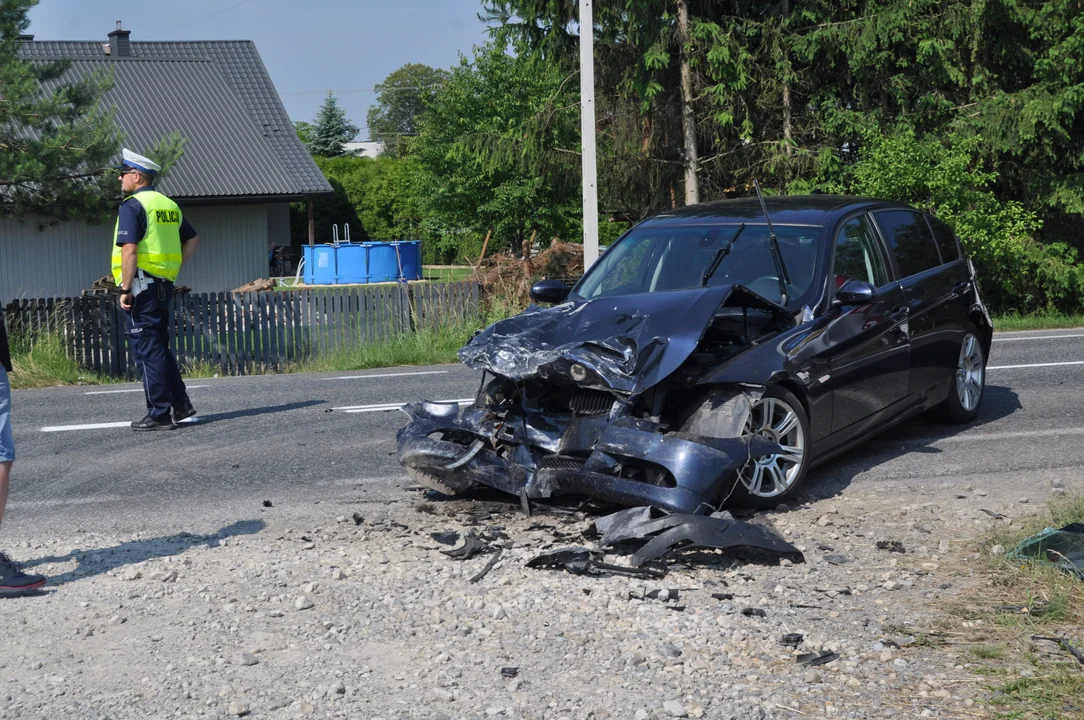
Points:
(587, 130)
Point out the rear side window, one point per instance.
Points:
(946, 240)
(909, 238)
(858, 254)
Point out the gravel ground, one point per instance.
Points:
(365, 618)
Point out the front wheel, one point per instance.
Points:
(968, 382)
(766, 482)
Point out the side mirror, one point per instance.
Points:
(856, 292)
(550, 291)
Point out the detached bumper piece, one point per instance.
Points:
(544, 456)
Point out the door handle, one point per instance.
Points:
(962, 286)
(900, 312)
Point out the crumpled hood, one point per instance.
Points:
(627, 343)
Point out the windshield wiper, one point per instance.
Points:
(718, 257)
(773, 243)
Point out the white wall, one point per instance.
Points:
(38, 261)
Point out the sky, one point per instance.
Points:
(309, 47)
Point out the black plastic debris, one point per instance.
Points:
(817, 658)
(582, 561)
(753, 612)
(1064, 548)
(1035, 609)
(723, 596)
(1065, 645)
(509, 672)
(267, 503)
(357, 518)
(994, 515)
(492, 561)
(791, 640)
(890, 545)
(471, 547)
(447, 537)
(627, 524)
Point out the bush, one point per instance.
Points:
(946, 178)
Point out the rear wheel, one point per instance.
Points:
(968, 382)
(765, 482)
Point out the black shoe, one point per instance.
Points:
(13, 580)
(153, 423)
(184, 414)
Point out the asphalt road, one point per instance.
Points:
(324, 444)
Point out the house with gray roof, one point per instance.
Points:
(242, 165)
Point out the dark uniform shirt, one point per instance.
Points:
(133, 221)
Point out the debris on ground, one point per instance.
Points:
(792, 640)
(1063, 548)
(447, 537)
(994, 515)
(267, 503)
(890, 545)
(817, 658)
(583, 561)
(492, 561)
(509, 672)
(472, 546)
(753, 612)
(357, 518)
(1064, 644)
(1036, 609)
(678, 531)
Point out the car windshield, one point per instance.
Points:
(675, 258)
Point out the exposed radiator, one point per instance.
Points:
(584, 401)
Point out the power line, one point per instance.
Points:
(206, 17)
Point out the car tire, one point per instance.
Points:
(431, 481)
(781, 403)
(968, 384)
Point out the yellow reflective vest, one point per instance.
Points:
(159, 252)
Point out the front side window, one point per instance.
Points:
(675, 258)
(909, 238)
(858, 254)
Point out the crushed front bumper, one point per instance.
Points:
(547, 456)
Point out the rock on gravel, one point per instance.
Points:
(303, 603)
(675, 709)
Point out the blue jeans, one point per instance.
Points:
(148, 337)
(7, 440)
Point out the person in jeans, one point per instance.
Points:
(151, 241)
(12, 578)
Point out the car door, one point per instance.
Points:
(867, 345)
(930, 293)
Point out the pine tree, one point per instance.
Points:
(331, 129)
(56, 144)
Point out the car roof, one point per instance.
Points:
(815, 210)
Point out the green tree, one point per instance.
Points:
(400, 101)
(330, 129)
(498, 149)
(304, 132)
(56, 144)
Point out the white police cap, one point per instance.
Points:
(138, 162)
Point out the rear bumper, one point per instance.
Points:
(703, 469)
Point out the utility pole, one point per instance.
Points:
(688, 119)
(589, 163)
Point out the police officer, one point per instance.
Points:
(152, 240)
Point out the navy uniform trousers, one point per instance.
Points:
(148, 338)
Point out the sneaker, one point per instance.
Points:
(14, 580)
(153, 423)
(184, 414)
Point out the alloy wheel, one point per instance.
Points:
(773, 475)
(969, 373)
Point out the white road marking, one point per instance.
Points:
(135, 390)
(104, 426)
(1035, 365)
(971, 437)
(391, 406)
(1038, 337)
(388, 375)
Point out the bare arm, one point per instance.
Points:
(188, 248)
(128, 263)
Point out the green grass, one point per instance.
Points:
(446, 273)
(1051, 321)
(44, 362)
(1000, 644)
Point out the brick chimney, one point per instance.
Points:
(119, 45)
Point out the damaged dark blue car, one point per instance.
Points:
(713, 354)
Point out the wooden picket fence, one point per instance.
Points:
(246, 332)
